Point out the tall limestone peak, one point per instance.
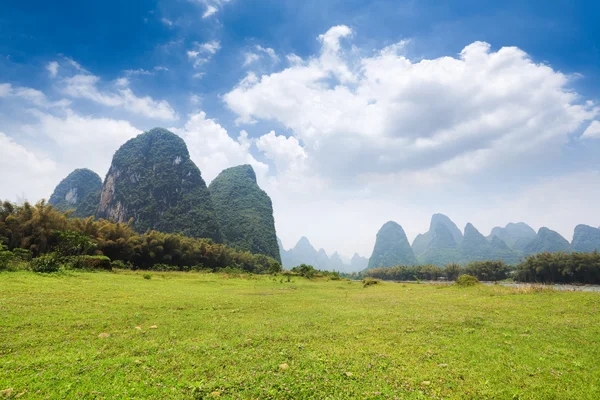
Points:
(391, 247)
(473, 237)
(442, 238)
(244, 212)
(304, 245)
(586, 239)
(322, 261)
(79, 191)
(153, 180)
(336, 263)
(547, 240)
(423, 241)
(443, 219)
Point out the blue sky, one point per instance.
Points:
(352, 112)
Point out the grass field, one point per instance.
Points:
(186, 335)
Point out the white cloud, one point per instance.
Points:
(592, 131)
(166, 21)
(195, 99)
(161, 68)
(210, 10)
(250, 57)
(52, 68)
(139, 71)
(86, 87)
(22, 170)
(441, 118)
(203, 52)
(213, 150)
(210, 47)
(30, 95)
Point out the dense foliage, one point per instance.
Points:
(560, 267)
(544, 268)
(42, 230)
(391, 248)
(244, 212)
(79, 191)
(153, 180)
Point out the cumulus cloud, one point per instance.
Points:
(386, 114)
(213, 150)
(87, 87)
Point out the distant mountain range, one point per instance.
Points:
(304, 253)
(444, 243)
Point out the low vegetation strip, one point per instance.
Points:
(206, 335)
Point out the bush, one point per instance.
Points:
(6, 257)
(370, 282)
(307, 271)
(46, 263)
(467, 280)
(147, 276)
(118, 264)
(90, 262)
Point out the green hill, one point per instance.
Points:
(153, 180)
(391, 248)
(547, 240)
(244, 212)
(79, 191)
(586, 239)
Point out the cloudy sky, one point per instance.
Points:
(352, 113)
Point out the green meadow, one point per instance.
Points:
(103, 335)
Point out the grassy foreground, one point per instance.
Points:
(186, 335)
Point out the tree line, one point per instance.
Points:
(37, 231)
(557, 267)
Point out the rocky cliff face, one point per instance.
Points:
(391, 248)
(244, 212)
(153, 180)
(79, 191)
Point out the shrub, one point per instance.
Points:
(467, 280)
(307, 271)
(46, 263)
(147, 276)
(5, 259)
(370, 282)
(90, 262)
(119, 264)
